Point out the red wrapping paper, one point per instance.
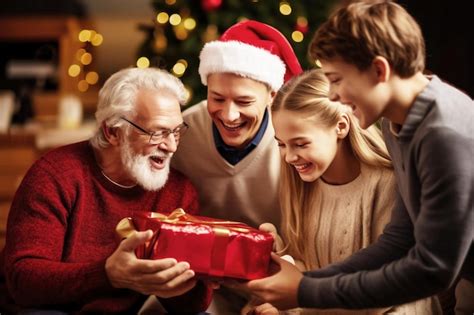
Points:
(212, 247)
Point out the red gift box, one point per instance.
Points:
(212, 247)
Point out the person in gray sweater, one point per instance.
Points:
(373, 54)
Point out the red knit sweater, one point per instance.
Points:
(61, 229)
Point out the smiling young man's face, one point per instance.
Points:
(237, 106)
(362, 90)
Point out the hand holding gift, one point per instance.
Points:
(255, 306)
(163, 277)
(280, 289)
(214, 248)
(278, 245)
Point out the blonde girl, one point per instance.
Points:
(337, 187)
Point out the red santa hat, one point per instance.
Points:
(251, 49)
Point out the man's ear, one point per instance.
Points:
(112, 134)
(382, 68)
(343, 126)
(271, 97)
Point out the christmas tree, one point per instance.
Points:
(181, 29)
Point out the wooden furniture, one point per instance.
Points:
(65, 31)
(21, 146)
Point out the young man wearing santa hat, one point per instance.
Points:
(229, 152)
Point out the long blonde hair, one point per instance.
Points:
(307, 94)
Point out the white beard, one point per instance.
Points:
(138, 166)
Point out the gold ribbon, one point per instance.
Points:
(125, 228)
(222, 230)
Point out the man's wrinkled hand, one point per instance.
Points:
(162, 277)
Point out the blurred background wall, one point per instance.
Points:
(118, 21)
(147, 29)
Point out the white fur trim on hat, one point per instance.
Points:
(242, 59)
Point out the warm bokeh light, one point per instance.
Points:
(189, 92)
(189, 24)
(97, 39)
(175, 19)
(210, 34)
(74, 70)
(161, 42)
(184, 62)
(318, 63)
(162, 17)
(297, 36)
(180, 32)
(170, 2)
(82, 86)
(92, 77)
(302, 21)
(84, 35)
(143, 62)
(285, 8)
(86, 58)
(79, 53)
(178, 69)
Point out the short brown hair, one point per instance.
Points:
(360, 31)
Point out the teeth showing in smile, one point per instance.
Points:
(232, 127)
(302, 167)
(157, 159)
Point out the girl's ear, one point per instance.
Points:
(343, 126)
(382, 68)
(112, 134)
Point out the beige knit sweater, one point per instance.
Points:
(348, 218)
(245, 192)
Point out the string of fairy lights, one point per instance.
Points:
(83, 59)
(183, 23)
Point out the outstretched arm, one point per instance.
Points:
(443, 229)
(443, 233)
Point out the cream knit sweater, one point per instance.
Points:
(245, 192)
(349, 218)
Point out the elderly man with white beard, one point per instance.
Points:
(61, 250)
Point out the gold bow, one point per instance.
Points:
(125, 228)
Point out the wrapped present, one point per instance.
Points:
(212, 247)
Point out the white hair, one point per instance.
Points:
(118, 95)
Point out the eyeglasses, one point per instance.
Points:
(157, 137)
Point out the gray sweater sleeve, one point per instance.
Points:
(443, 230)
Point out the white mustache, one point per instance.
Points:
(160, 154)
